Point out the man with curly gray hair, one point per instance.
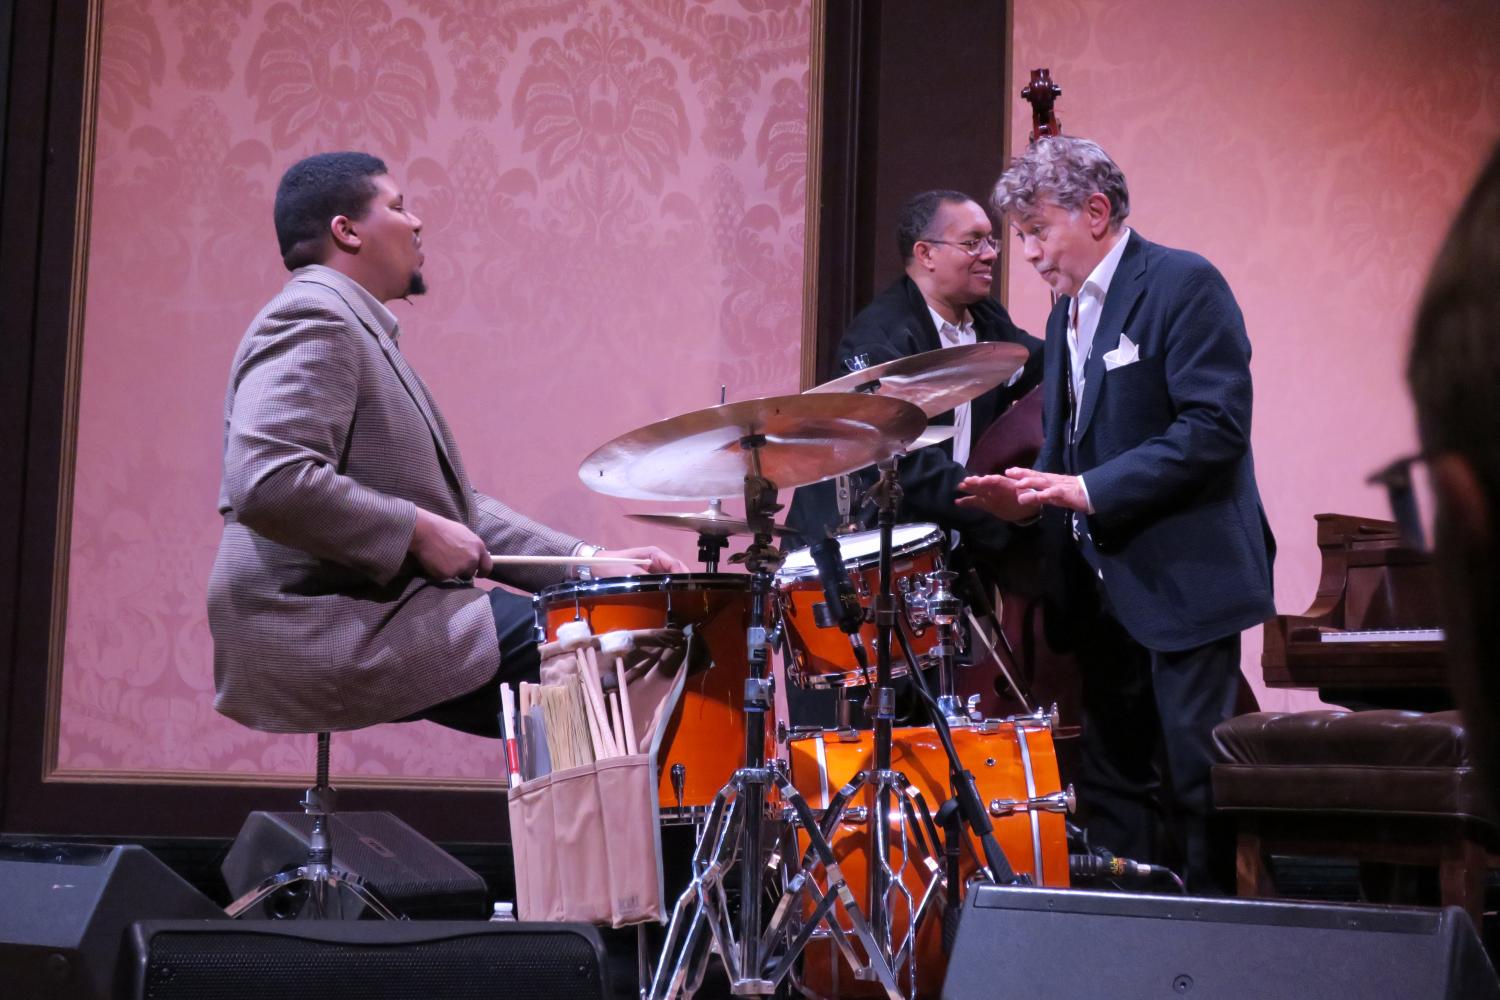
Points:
(1146, 485)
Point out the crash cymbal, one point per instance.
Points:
(714, 523)
(936, 381)
(797, 439)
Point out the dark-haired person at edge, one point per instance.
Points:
(948, 250)
(1146, 486)
(1454, 373)
(342, 594)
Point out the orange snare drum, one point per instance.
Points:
(1008, 761)
(706, 734)
(822, 657)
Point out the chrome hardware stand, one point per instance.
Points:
(970, 807)
(945, 609)
(758, 958)
(917, 835)
(317, 875)
(887, 495)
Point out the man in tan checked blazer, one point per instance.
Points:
(342, 594)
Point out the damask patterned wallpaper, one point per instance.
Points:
(612, 194)
(1315, 152)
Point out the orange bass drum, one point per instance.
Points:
(1009, 761)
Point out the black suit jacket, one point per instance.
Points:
(897, 323)
(1178, 536)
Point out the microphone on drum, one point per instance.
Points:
(841, 607)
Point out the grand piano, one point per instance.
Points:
(1371, 638)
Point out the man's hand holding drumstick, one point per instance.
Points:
(448, 550)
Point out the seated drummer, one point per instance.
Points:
(343, 595)
(947, 243)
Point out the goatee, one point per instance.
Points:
(418, 285)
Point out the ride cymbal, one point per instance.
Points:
(935, 381)
(796, 439)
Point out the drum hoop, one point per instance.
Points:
(933, 536)
(572, 590)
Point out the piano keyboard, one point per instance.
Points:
(1382, 635)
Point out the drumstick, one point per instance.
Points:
(616, 721)
(499, 560)
(587, 704)
(595, 689)
(508, 721)
(631, 746)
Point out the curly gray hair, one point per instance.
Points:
(1063, 169)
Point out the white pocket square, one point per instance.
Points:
(1126, 354)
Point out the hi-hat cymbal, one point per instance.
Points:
(936, 381)
(714, 523)
(707, 453)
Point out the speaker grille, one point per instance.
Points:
(246, 964)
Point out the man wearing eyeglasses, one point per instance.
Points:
(948, 246)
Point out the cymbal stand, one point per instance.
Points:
(970, 806)
(887, 493)
(710, 545)
(757, 959)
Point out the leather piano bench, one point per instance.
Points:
(1385, 786)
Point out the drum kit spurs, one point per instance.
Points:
(854, 883)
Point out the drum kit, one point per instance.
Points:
(820, 844)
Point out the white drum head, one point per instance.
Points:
(863, 548)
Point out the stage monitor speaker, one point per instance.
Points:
(1040, 943)
(416, 877)
(367, 960)
(65, 910)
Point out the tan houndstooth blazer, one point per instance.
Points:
(319, 618)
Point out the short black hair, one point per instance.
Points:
(315, 190)
(1454, 365)
(917, 215)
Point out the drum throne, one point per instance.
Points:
(316, 882)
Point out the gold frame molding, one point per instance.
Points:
(72, 379)
(52, 773)
(813, 191)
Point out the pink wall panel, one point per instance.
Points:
(1315, 153)
(613, 201)
(613, 195)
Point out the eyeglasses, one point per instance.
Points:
(973, 247)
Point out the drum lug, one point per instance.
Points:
(1058, 802)
(758, 692)
(1046, 718)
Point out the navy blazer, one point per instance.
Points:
(1178, 536)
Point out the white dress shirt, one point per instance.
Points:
(951, 336)
(1083, 323)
